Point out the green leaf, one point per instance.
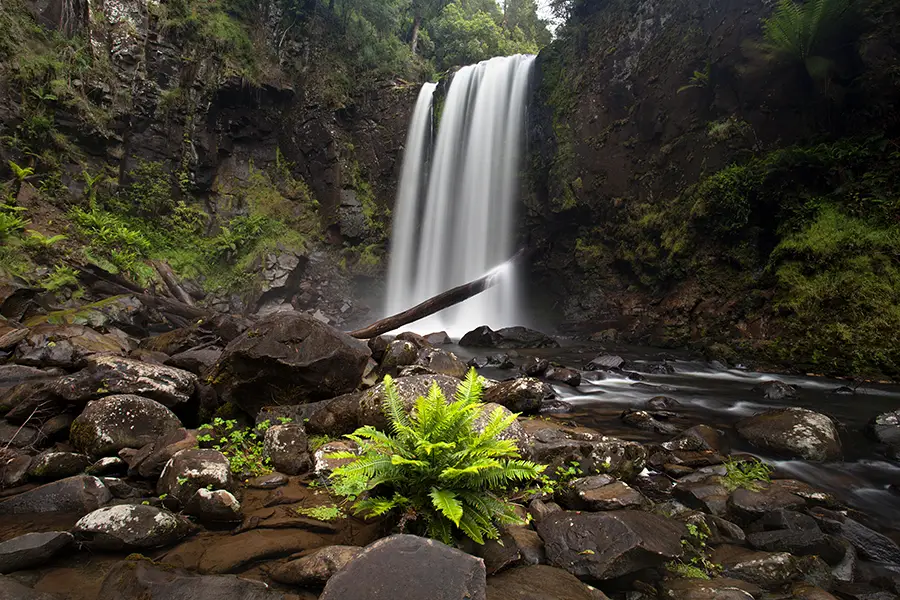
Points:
(446, 502)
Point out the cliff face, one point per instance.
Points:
(672, 160)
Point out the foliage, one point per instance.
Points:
(317, 441)
(695, 563)
(321, 513)
(20, 173)
(747, 474)
(699, 80)
(61, 277)
(149, 194)
(112, 243)
(435, 467)
(242, 447)
(11, 221)
(38, 240)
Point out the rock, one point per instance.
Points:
(399, 353)
(654, 368)
(57, 465)
(799, 543)
(148, 462)
(78, 495)
(707, 496)
(268, 482)
(336, 417)
(13, 468)
(538, 509)
(662, 403)
(441, 361)
(699, 438)
(563, 375)
(323, 465)
(10, 589)
(315, 568)
(507, 338)
(115, 422)
(287, 447)
(781, 519)
(216, 506)
(609, 544)
(189, 470)
(557, 446)
(10, 337)
(288, 358)
(538, 582)
(408, 389)
(13, 374)
(805, 591)
(108, 375)
(722, 531)
(18, 436)
(439, 338)
(149, 356)
(605, 362)
(32, 400)
(775, 390)
(31, 550)
(765, 569)
(197, 361)
(420, 342)
(602, 492)
(720, 588)
(885, 429)
(130, 527)
(378, 346)
(403, 566)
(524, 395)
(111, 465)
(142, 580)
(843, 391)
(793, 432)
(641, 419)
(514, 432)
(65, 346)
(535, 366)
(749, 505)
(871, 544)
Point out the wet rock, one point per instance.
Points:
(115, 422)
(699, 438)
(524, 395)
(514, 432)
(57, 465)
(110, 375)
(642, 419)
(605, 362)
(110, 465)
(14, 374)
(378, 346)
(10, 338)
(408, 389)
(439, 338)
(885, 429)
(862, 591)
(323, 465)
(654, 368)
(609, 544)
(402, 566)
(288, 358)
(197, 361)
(399, 353)
(805, 591)
(315, 568)
(10, 589)
(77, 495)
(799, 543)
(148, 462)
(765, 569)
(335, 417)
(793, 432)
(708, 496)
(538, 509)
(13, 468)
(655, 487)
(31, 550)
(419, 340)
(18, 436)
(29, 401)
(563, 375)
(268, 482)
(538, 582)
(287, 447)
(602, 492)
(720, 588)
(556, 446)
(65, 346)
(869, 543)
(775, 390)
(782, 519)
(190, 470)
(126, 491)
(722, 531)
(813, 496)
(662, 403)
(213, 506)
(507, 338)
(749, 505)
(130, 527)
(500, 361)
(535, 366)
(441, 361)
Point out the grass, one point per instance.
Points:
(746, 474)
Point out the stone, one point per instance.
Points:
(403, 566)
(781, 519)
(765, 569)
(268, 482)
(336, 417)
(514, 432)
(287, 447)
(885, 429)
(563, 375)
(439, 338)
(707, 496)
(378, 346)
(654, 368)
(662, 403)
(115, 422)
(749, 505)
(719, 588)
(148, 462)
(538, 582)
(605, 362)
(649, 387)
(523, 395)
(13, 468)
(31, 400)
(13, 374)
(699, 438)
(317, 567)
(288, 358)
(77, 495)
(805, 591)
(323, 464)
(130, 527)
(110, 465)
(538, 509)
(870, 544)
(799, 543)
(795, 432)
(57, 465)
(611, 544)
(32, 550)
(722, 531)
(642, 419)
(775, 390)
(106, 375)
(65, 346)
(10, 338)
(408, 389)
(507, 338)
(441, 361)
(556, 446)
(10, 589)
(535, 366)
(18, 436)
(602, 492)
(197, 361)
(190, 470)
(399, 353)
(214, 506)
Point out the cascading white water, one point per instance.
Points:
(464, 228)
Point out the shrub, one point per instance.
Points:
(10, 223)
(113, 244)
(443, 474)
(61, 277)
(242, 447)
(150, 192)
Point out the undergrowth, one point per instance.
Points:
(242, 447)
(747, 474)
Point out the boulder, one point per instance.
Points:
(805, 591)
(399, 353)
(749, 505)
(720, 588)
(216, 506)
(13, 374)
(796, 432)
(197, 361)
(439, 338)
(707, 496)
(563, 375)
(57, 465)
(115, 422)
(799, 543)
(13, 468)
(605, 362)
(538, 582)
(775, 390)
(288, 358)
(190, 470)
(556, 446)
(607, 545)
(538, 509)
(30, 400)
(65, 346)
(662, 403)
(148, 462)
(781, 519)
(110, 465)
(765, 569)
(315, 568)
(442, 361)
(523, 395)
(514, 432)
(130, 527)
(287, 447)
(378, 346)
(535, 366)
(641, 419)
(885, 429)
(10, 589)
(107, 375)
(18, 436)
(77, 495)
(408, 389)
(507, 338)
(699, 438)
(335, 417)
(602, 492)
(403, 566)
(31, 550)
(870, 544)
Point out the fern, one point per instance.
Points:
(443, 475)
(20, 173)
(699, 80)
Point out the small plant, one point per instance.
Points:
(317, 441)
(20, 173)
(61, 277)
(699, 80)
(242, 447)
(695, 563)
(567, 473)
(37, 239)
(322, 513)
(747, 474)
(10, 224)
(434, 467)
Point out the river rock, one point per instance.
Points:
(514, 432)
(563, 375)
(607, 545)
(13, 468)
(403, 566)
(720, 588)
(18, 436)
(885, 429)
(78, 495)
(10, 589)
(408, 389)
(799, 543)
(110, 465)
(535, 366)
(805, 591)
(65, 346)
(197, 361)
(523, 395)
(538, 509)
(641, 419)
(654, 368)
(315, 568)
(793, 432)
(115, 422)
(148, 462)
(31, 550)
(130, 527)
(765, 569)
(335, 417)
(507, 338)
(602, 492)
(556, 446)
(699, 438)
(14, 374)
(662, 403)
(324, 464)
(775, 390)
(57, 465)
(438, 338)
(189, 470)
(708, 496)
(871, 544)
(538, 582)
(399, 353)
(290, 358)
(749, 505)
(441, 361)
(106, 375)
(287, 447)
(216, 506)
(605, 362)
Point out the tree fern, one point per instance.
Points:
(435, 467)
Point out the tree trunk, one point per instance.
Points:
(434, 304)
(171, 281)
(417, 24)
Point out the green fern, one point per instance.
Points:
(10, 222)
(20, 173)
(443, 475)
(699, 80)
(39, 240)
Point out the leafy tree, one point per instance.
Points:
(435, 466)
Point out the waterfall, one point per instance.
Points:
(454, 219)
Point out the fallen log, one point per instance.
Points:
(436, 303)
(168, 277)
